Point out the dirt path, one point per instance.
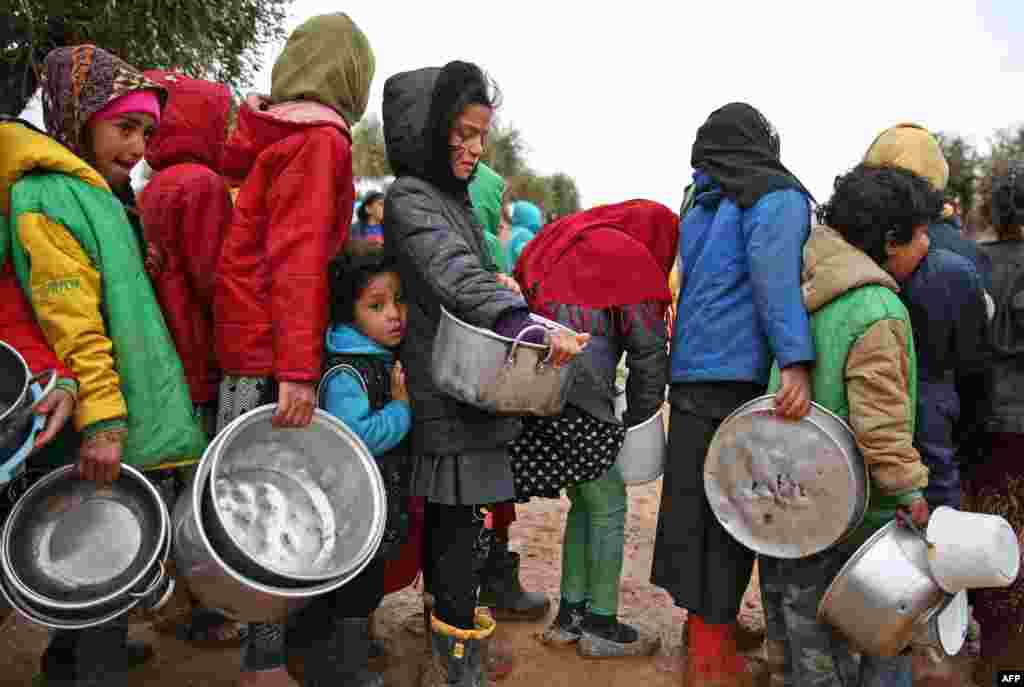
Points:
(538, 537)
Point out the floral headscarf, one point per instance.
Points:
(78, 82)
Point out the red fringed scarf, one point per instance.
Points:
(612, 255)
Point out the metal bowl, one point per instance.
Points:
(497, 374)
(643, 453)
(884, 593)
(786, 489)
(214, 582)
(74, 544)
(79, 619)
(294, 507)
(17, 399)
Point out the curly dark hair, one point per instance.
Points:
(873, 205)
(349, 274)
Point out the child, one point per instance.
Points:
(365, 388)
(875, 235)
(78, 258)
(291, 216)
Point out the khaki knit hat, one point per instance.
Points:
(913, 148)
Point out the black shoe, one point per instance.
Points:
(605, 637)
(502, 592)
(568, 625)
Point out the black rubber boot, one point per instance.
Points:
(458, 658)
(339, 658)
(501, 591)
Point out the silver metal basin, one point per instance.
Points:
(152, 598)
(16, 399)
(218, 585)
(72, 544)
(497, 374)
(643, 453)
(293, 507)
(782, 488)
(884, 595)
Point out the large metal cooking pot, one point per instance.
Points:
(782, 488)
(151, 599)
(293, 507)
(73, 544)
(500, 375)
(216, 584)
(16, 399)
(884, 594)
(642, 456)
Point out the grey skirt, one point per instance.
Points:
(481, 477)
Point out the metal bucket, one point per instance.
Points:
(76, 545)
(500, 375)
(16, 399)
(785, 489)
(293, 507)
(884, 593)
(947, 629)
(642, 456)
(215, 583)
(151, 599)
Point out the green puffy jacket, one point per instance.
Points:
(866, 369)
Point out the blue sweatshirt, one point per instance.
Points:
(740, 304)
(345, 399)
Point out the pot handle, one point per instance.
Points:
(519, 340)
(160, 575)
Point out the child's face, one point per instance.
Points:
(375, 212)
(905, 257)
(117, 144)
(468, 138)
(381, 311)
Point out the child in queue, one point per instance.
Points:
(364, 387)
(873, 235)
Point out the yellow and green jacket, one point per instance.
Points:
(79, 262)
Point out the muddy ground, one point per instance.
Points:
(537, 536)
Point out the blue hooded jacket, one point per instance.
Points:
(740, 306)
(345, 399)
(527, 220)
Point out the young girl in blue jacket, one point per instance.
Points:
(364, 387)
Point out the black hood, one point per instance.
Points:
(406, 108)
(419, 108)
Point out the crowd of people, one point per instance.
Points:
(237, 279)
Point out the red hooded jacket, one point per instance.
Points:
(19, 328)
(185, 208)
(291, 217)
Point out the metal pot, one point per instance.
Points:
(642, 456)
(786, 489)
(500, 375)
(152, 598)
(16, 402)
(215, 583)
(76, 545)
(884, 594)
(293, 507)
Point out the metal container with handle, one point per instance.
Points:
(16, 399)
(884, 595)
(497, 374)
(786, 489)
(71, 544)
(215, 582)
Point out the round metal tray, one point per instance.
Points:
(782, 488)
